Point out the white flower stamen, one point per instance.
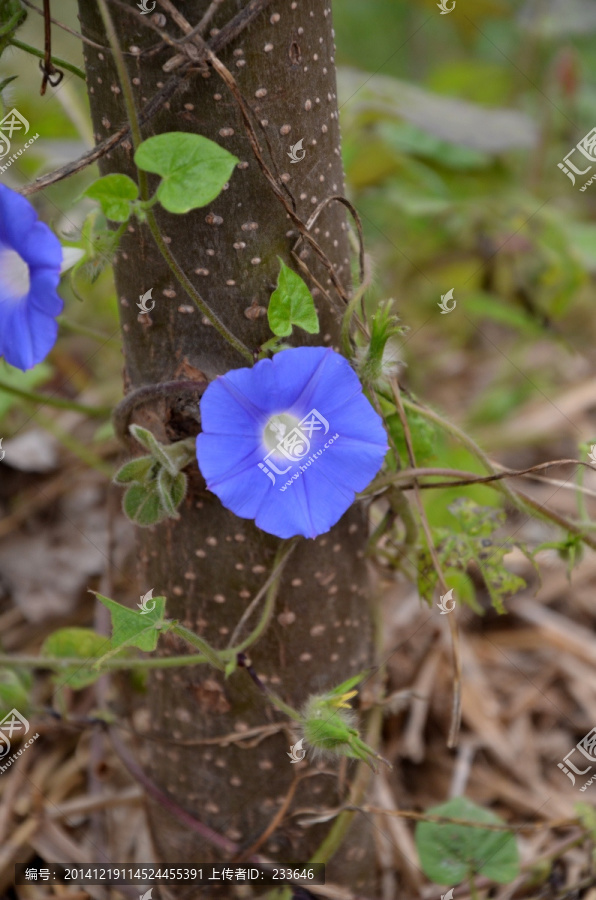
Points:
(14, 275)
(277, 428)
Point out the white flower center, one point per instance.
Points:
(14, 275)
(277, 428)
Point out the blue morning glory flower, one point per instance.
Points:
(30, 264)
(289, 442)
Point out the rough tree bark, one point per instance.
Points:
(210, 563)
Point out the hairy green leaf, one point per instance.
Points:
(135, 470)
(142, 505)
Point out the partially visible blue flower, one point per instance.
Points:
(30, 263)
(289, 442)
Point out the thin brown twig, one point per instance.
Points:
(447, 820)
(273, 824)
(225, 35)
(457, 679)
(276, 186)
(466, 478)
(78, 35)
(361, 260)
(46, 65)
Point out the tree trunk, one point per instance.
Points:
(209, 563)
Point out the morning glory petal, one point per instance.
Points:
(290, 441)
(30, 261)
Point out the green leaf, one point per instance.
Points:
(82, 643)
(193, 168)
(14, 691)
(451, 853)
(114, 194)
(474, 543)
(425, 435)
(150, 443)
(142, 505)
(135, 470)
(171, 489)
(135, 629)
(291, 304)
(99, 243)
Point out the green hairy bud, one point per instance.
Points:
(329, 725)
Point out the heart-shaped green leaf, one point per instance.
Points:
(291, 304)
(450, 853)
(193, 168)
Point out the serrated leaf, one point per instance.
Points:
(115, 194)
(142, 505)
(82, 643)
(473, 543)
(135, 470)
(193, 168)
(451, 853)
(134, 629)
(291, 303)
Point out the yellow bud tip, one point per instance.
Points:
(340, 702)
